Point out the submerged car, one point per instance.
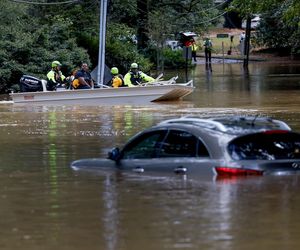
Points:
(195, 146)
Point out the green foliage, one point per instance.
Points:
(28, 46)
(167, 18)
(280, 24)
(276, 34)
(123, 11)
(189, 15)
(174, 58)
(121, 49)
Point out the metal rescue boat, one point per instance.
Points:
(145, 93)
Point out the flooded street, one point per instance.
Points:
(46, 205)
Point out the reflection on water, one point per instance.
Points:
(47, 205)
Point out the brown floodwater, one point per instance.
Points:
(46, 205)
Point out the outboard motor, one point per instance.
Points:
(30, 84)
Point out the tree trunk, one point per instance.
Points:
(247, 42)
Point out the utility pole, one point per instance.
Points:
(247, 41)
(102, 36)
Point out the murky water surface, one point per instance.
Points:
(46, 205)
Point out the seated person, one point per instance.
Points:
(117, 79)
(55, 77)
(135, 77)
(83, 78)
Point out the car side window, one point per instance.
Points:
(182, 144)
(145, 146)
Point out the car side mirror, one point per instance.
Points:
(114, 154)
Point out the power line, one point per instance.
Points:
(204, 21)
(211, 8)
(215, 7)
(214, 18)
(92, 5)
(39, 3)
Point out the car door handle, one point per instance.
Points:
(138, 169)
(180, 170)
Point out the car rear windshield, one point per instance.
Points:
(270, 145)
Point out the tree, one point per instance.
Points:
(28, 44)
(168, 18)
(190, 15)
(278, 14)
(121, 48)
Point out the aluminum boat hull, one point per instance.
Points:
(124, 95)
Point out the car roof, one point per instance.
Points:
(234, 125)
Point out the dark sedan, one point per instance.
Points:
(195, 146)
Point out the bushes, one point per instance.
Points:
(121, 49)
(174, 58)
(27, 46)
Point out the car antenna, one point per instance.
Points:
(253, 121)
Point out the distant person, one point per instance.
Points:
(242, 42)
(117, 79)
(207, 49)
(55, 77)
(135, 77)
(242, 37)
(83, 78)
(194, 50)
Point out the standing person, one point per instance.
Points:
(55, 77)
(83, 78)
(117, 79)
(242, 37)
(242, 42)
(134, 77)
(194, 50)
(207, 49)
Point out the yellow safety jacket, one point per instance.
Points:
(194, 47)
(56, 76)
(132, 79)
(116, 81)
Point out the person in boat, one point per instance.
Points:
(117, 79)
(83, 78)
(135, 77)
(55, 77)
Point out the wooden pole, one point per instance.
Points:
(223, 53)
(247, 41)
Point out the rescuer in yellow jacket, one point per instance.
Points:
(55, 77)
(194, 50)
(135, 77)
(117, 79)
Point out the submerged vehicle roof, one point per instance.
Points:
(232, 125)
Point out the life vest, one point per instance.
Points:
(116, 82)
(135, 78)
(75, 83)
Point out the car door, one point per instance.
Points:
(141, 153)
(168, 151)
(183, 153)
